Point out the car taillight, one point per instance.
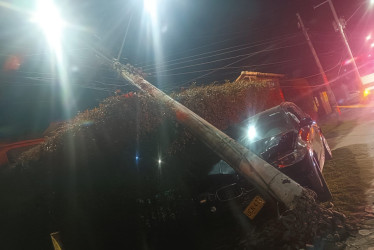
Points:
(301, 149)
(304, 134)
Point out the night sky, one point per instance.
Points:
(187, 41)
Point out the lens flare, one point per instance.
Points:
(150, 6)
(48, 18)
(251, 133)
(151, 23)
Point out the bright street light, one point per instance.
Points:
(368, 37)
(48, 18)
(150, 6)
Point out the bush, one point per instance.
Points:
(92, 177)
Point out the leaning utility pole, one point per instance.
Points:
(340, 28)
(268, 180)
(331, 95)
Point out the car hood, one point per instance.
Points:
(272, 148)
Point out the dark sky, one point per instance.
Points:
(191, 40)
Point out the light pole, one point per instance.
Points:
(340, 28)
(330, 93)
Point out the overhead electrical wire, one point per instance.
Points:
(257, 27)
(246, 57)
(179, 85)
(244, 66)
(232, 57)
(251, 44)
(362, 4)
(215, 55)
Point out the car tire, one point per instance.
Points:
(319, 184)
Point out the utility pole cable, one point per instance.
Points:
(124, 39)
(341, 30)
(332, 99)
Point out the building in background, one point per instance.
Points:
(271, 79)
(312, 99)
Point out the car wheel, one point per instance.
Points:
(318, 183)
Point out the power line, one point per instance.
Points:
(355, 12)
(215, 55)
(237, 67)
(258, 43)
(179, 85)
(245, 66)
(232, 57)
(248, 56)
(318, 74)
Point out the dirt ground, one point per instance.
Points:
(350, 174)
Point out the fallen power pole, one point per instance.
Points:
(332, 99)
(264, 176)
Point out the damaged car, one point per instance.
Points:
(283, 136)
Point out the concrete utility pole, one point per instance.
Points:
(331, 95)
(268, 180)
(340, 28)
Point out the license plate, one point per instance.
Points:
(254, 207)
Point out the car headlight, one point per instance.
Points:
(301, 149)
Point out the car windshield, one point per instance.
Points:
(264, 125)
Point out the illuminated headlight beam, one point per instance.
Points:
(251, 133)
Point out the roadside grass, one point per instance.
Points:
(349, 175)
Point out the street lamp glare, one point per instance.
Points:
(48, 18)
(150, 6)
(368, 37)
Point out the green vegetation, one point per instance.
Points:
(349, 175)
(86, 182)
